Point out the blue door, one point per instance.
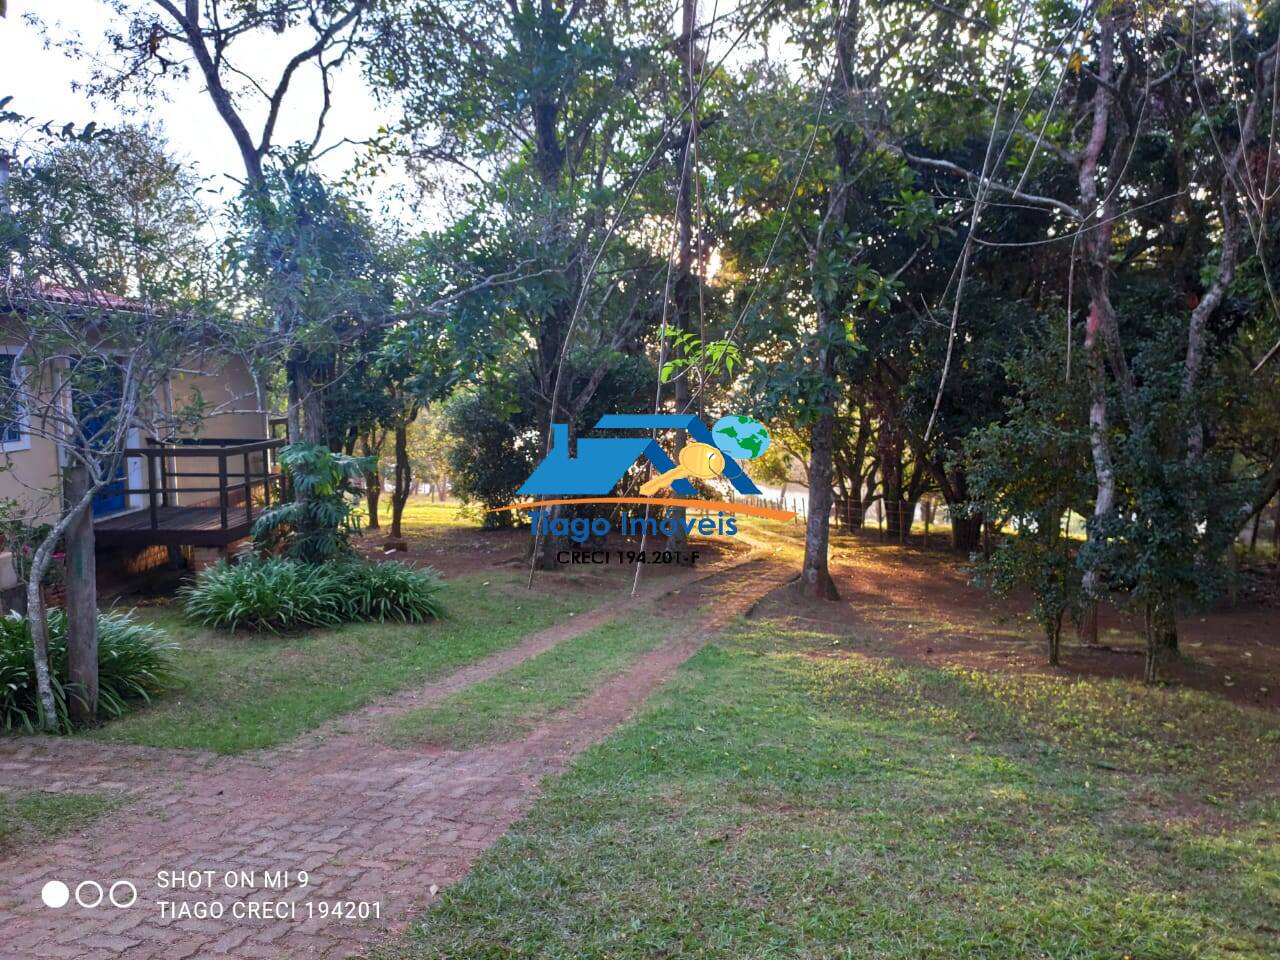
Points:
(111, 499)
(96, 400)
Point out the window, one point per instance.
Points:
(14, 433)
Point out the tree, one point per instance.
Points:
(556, 114)
(159, 41)
(537, 101)
(1033, 469)
(108, 293)
(830, 232)
(1133, 138)
(308, 250)
(494, 453)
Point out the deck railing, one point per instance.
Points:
(244, 470)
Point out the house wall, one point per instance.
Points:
(30, 476)
(229, 393)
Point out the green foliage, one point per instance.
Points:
(494, 452)
(708, 360)
(135, 662)
(1166, 540)
(1031, 469)
(312, 257)
(318, 525)
(110, 210)
(265, 595)
(390, 591)
(21, 539)
(274, 594)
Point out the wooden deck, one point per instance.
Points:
(231, 481)
(175, 526)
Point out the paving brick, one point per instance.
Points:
(367, 820)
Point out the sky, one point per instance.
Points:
(41, 79)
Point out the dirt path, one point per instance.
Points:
(368, 822)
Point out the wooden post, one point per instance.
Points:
(164, 477)
(248, 491)
(266, 478)
(151, 488)
(222, 486)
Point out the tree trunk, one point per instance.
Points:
(815, 578)
(908, 517)
(311, 403)
(1162, 638)
(372, 494)
(1055, 637)
(1104, 471)
(403, 485)
(81, 606)
(1089, 623)
(966, 531)
(38, 622)
(293, 411)
(372, 481)
(1165, 623)
(1100, 329)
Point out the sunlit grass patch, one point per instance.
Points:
(1107, 722)
(421, 515)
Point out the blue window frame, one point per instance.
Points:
(14, 431)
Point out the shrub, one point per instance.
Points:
(275, 594)
(265, 595)
(319, 524)
(390, 591)
(135, 662)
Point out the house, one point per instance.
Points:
(193, 491)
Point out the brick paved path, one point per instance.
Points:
(365, 820)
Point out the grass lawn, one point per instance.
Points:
(785, 796)
(30, 817)
(514, 703)
(247, 691)
(420, 512)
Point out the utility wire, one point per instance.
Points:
(612, 228)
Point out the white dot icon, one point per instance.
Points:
(55, 894)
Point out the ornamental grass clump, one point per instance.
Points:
(135, 662)
(390, 591)
(274, 594)
(267, 595)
